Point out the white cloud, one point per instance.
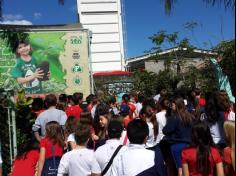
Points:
(37, 15)
(16, 19)
(16, 22)
(12, 17)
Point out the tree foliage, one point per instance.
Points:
(227, 4)
(227, 50)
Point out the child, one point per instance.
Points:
(26, 159)
(201, 157)
(80, 161)
(148, 115)
(25, 71)
(136, 160)
(229, 152)
(50, 146)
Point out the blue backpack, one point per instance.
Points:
(51, 165)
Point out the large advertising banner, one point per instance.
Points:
(48, 61)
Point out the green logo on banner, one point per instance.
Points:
(76, 69)
(77, 81)
(76, 40)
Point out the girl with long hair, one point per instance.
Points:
(201, 157)
(26, 159)
(177, 130)
(148, 115)
(229, 152)
(51, 146)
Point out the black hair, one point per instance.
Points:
(90, 98)
(27, 146)
(37, 104)
(82, 134)
(202, 140)
(148, 113)
(126, 98)
(137, 131)
(77, 97)
(211, 108)
(115, 129)
(17, 43)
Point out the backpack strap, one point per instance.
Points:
(111, 160)
(53, 157)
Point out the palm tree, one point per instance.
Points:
(228, 4)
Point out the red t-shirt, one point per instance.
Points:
(228, 161)
(26, 166)
(189, 156)
(202, 101)
(74, 111)
(47, 144)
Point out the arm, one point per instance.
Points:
(95, 174)
(38, 74)
(35, 129)
(41, 160)
(219, 169)
(63, 167)
(170, 127)
(185, 169)
(37, 136)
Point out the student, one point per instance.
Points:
(80, 161)
(104, 153)
(229, 152)
(27, 158)
(51, 146)
(201, 157)
(85, 119)
(25, 71)
(70, 127)
(148, 115)
(51, 114)
(161, 117)
(136, 159)
(75, 110)
(178, 130)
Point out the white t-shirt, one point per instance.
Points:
(80, 162)
(151, 142)
(104, 153)
(139, 106)
(231, 116)
(161, 120)
(134, 160)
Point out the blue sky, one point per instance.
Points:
(142, 19)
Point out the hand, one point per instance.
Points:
(38, 73)
(95, 137)
(49, 75)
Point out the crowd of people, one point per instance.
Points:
(184, 134)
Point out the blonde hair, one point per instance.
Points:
(229, 128)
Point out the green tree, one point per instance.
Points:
(228, 4)
(227, 50)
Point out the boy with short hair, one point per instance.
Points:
(136, 158)
(105, 152)
(80, 161)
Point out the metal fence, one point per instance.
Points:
(7, 131)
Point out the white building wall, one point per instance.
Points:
(103, 18)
